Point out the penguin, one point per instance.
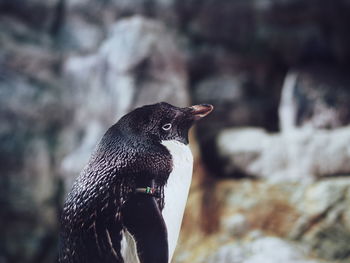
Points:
(127, 204)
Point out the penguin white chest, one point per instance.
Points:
(176, 190)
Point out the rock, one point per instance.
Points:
(261, 250)
(257, 220)
(323, 196)
(32, 116)
(230, 93)
(220, 89)
(265, 251)
(139, 63)
(29, 190)
(37, 14)
(236, 224)
(230, 253)
(269, 40)
(259, 27)
(323, 224)
(234, 95)
(314, 97)
(298, 155)
(78, 34)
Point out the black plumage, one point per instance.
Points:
(103, 202)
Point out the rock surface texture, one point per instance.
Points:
(278, 193)
(298, 155)
(259, 221)
(314, 97)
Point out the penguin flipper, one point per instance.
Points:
(143, 219)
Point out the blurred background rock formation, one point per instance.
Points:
(271, 180)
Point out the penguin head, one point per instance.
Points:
(163, 121)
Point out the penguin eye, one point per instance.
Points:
(166, 127)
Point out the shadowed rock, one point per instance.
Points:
(315, 97)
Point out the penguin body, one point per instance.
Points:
(127, 204)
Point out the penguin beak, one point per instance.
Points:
(200, 111)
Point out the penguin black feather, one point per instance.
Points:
(102, 203)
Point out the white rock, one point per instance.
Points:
(235, 224)
(302, 154)
(262, 250)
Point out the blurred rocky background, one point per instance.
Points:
(271, 180)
